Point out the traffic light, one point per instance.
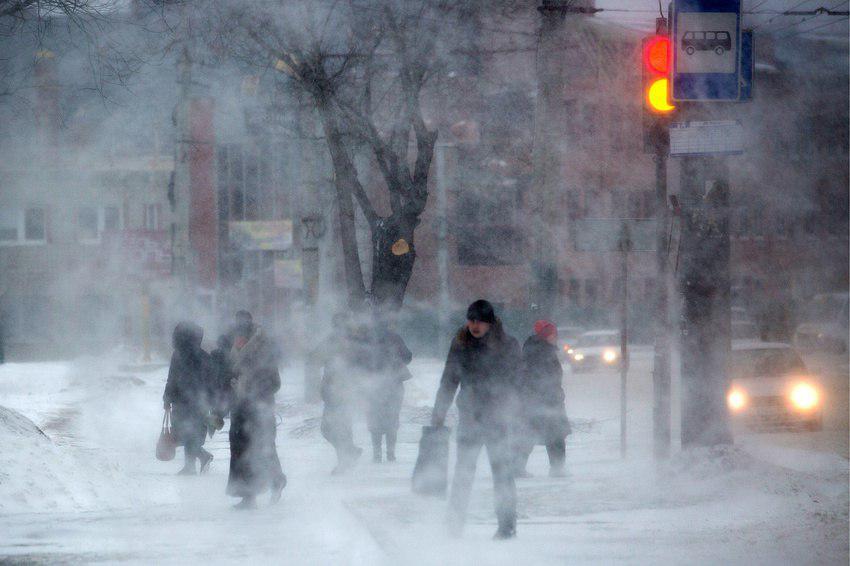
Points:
(656, 66)
(656, 61)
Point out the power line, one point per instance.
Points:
(768, 22)
(816, 27)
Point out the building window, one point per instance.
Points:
(23, 226)
(591, 291)
(488, 233)
(8, 225)
(575, 206)
(34, 224)
(111, 218)
(93, 221)
(153, 217)
(87, 223)
(635, 204)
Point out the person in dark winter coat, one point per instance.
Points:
(188, 392)
(482, 362)
(254, 463)
(384, 390)
(222, 376)
(545, 417)
(337, 392)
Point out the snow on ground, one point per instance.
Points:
(91, 490)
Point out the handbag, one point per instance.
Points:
(430, 475)
(166, 446)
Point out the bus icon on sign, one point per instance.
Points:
(717, 41)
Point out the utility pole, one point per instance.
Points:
(625, 246)
(560, 20)
(442, 242)
(702, 140)
(656, 121)
(661, 358)
(705, 288)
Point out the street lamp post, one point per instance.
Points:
(313, 228)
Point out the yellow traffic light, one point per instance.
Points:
(656, 96)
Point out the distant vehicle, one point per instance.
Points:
(567, 336)
(771, 387)
(597, 348)
(717, 41)
(825, 325)
(745, 330)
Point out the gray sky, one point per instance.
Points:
(762, 15)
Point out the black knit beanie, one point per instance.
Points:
(481, 310)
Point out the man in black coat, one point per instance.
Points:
(222, 376)
(543, 400)
(482, 362)
(254, 463)
(188, 394)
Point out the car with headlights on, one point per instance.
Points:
(770, 387)
(596, 349)
(567, 336)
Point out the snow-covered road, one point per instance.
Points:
(93, 492)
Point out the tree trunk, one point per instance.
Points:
(344, 175)
(393, 256)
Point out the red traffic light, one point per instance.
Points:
(656, 54)
(656, 67)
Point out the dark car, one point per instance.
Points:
(717, 41)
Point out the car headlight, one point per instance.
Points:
(610, 356)
(804, 396)
(578, 356)
(737, 399)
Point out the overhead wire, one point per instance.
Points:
(823, 25)
(768, 22)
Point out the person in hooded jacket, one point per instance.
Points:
(482, 362)
(188, 393)
(337, 392)
(384, 389)
(254, 462)
(545, 417)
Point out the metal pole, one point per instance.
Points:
(146, 327)
(661, 361)
(442, 245)
(625, 248)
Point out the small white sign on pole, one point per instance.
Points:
(719, 137)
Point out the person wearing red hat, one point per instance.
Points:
(545, 416)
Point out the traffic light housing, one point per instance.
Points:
(657, 107)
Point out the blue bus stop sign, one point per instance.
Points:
(706, 50)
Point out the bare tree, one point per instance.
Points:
(101, 34)
(364, 65)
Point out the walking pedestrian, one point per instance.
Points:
(385, 388)
(187, 395)
(482, 362)
(222, 377)
(544, 412)
(338, 393)
(254, 462)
